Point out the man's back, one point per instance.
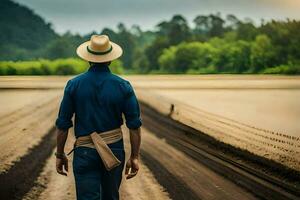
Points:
(98, 98)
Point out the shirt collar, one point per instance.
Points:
(99, 67)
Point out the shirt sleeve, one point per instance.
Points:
(131, 107)
(66, 110)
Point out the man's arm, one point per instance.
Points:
(61, 159)
(132, 113)
(135, 142)
(132, 165)
(63, 123)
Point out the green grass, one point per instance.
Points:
(69, 66)
(283, 69)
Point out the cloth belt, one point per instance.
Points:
(99, 141)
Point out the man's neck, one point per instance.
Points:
(99, 67)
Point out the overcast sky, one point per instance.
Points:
(81, 16)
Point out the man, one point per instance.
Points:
(98, 99)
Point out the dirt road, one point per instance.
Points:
(23, 127)
(52, 186)
(24, 123)
(26, 139)
(160, 164)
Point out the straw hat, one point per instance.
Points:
(99, 49)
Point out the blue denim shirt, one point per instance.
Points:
(98, 98)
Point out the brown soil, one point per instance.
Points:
(23, 128)
(52, 186)
(165, 173)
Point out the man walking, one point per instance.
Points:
(98, 99)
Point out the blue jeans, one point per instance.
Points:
(92, 180)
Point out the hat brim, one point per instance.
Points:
(83, 53)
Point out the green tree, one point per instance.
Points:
(59, 48)
(209, 26)
(140, 63)
(127, 42)
(231, 56)
(262, 53)
(285, 36)
(167, 59)
(187, 56)
(176, 30)
(154, 51)
(246, 31)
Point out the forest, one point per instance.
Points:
(210, 44)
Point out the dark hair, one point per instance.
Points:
(102, 63)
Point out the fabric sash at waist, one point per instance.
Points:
(108, 137)
(99, 141)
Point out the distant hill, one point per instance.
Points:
(213, 45)
(21, 30)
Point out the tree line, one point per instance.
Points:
(223, 45)
(213, 44)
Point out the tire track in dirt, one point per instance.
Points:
(200, 179)
(282, 148)
(275, 146)
(20, 178)
(17, 137)
(26, 140)
(200, 147)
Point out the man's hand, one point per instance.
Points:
(61, 159)
(132, 168)
(132, 165)
(62, 163)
